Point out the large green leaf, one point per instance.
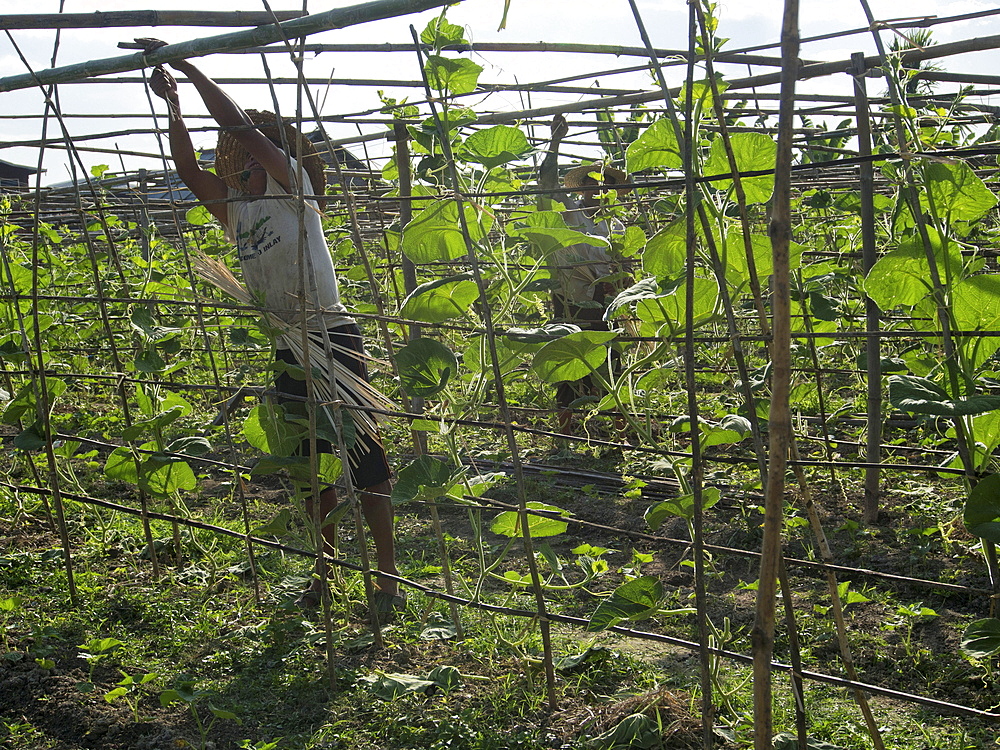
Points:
(636, 732)
(902, 277)
(982, 638)
(495, 146)
(24, 405)
(923, 396)
(424, 478)
(682, 507)
(666, 251)
(425, 367)
(636, 600)
(266, 429)
(955, 191)
(734, 256)
(670, 309)
(453, 75)
(162, 475)
(975, 303)
(121, 466)
(436, 234)
(754, 152)
(982, 509)
(572, 357)
(508, 523)
(440, 32)
(391, 686)
(441, 299)
(656, 147)
(547, 231)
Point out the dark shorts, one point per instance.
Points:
(589, 319)
(367, 461)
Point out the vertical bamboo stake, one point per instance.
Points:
(692, 199)
(780, 419)
(417, 402)
(873, 451)
(504, 408)
(51, 105)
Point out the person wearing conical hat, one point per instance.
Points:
(583, 290)
(260, 163)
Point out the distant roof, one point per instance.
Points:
(12, 165)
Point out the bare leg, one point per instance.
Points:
(377, 509)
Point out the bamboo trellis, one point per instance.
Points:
(370, 211)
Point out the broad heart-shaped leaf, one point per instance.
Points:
(425, 478)
(495, 146)
(636, 600)
(440, 32)
(541, 335)
(277, 526)
(147, 426)
(754, 152)
(435, 232)
(636, 731)
(666, 251)
(734, 256)
(265, 428)
(955, 192)
(669, 310)
(923, 396)
(24, 404)
(572, 357)
(441, 299)
(903, 277)
(454, 75)
(982, 509)
(445, 677)
(162, 475)
(391, 686)
(656, 147)
(508, 523)
(425, 367)
(31, 438)
(982, 638)
(975, 303)
(547, 231)
(121, 466)
(682, 507)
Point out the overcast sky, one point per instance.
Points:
(744, 22)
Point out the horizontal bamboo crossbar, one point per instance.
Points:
(338, 18)
(101, 19)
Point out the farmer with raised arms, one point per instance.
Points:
(252, 193)
(581, 271)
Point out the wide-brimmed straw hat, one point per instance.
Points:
(579, 177)
(231, 157)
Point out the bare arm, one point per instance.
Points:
(548, 173)
(206, 187)
(228, 114)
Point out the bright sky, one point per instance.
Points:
(743, 22)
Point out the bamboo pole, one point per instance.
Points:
(873, 452)
(104, 19)
(780, 231)
(541, 613)
(338, 18)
